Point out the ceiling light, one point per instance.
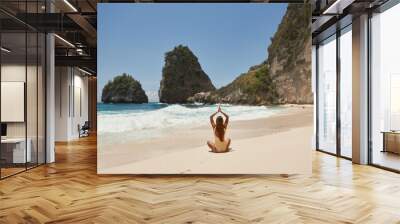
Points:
(70, 5)
(337, 7)
(333, 6)
(65, 41)
(79, 51)
(5, 50)
(84, 71)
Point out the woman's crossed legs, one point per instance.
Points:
(211, 145)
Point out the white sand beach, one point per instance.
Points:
(280, 144)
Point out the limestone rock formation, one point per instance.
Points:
(123, 89)
(182, 76)
(289, 56)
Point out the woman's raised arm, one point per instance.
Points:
(226, 118)
(212, 119)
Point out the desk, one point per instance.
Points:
(17, 152)
(391, 141)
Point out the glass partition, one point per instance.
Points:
(22, 78)
(13, 114)
(327, 95)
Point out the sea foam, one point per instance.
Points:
(173, 116)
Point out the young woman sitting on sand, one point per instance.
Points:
(221, 144)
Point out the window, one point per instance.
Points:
(327, 95)
(346, 92)
(385, 89)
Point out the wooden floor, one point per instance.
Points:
(69, 191)
(5, 172)
(387, 159)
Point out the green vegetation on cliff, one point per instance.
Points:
(123, 89)
(253, 87)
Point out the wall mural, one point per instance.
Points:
(204, 89)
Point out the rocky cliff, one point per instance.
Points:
(285, 76)
(123, 89)
(182, 76)
(289, 56)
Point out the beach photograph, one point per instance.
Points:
(226, 93)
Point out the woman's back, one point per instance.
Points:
(220, 144)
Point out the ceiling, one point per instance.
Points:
(75, 22)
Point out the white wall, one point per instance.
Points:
(62, 82)
(71, 102)
(80, 109)
(33, 127)
(12, 73)
(17, 73)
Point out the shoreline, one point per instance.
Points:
(179, 141)
(111, 135)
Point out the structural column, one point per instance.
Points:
(360, 90)
(50, 92)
